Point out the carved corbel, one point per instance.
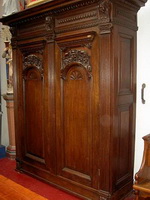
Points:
(105, 24)
(105, 11)
(105, 28)
(13, 31)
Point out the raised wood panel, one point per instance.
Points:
(76, 125)
(76, 117)
(124, 143)
(125, 105)
(33, 105)
(125, 70)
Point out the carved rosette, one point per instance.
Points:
(33, 67)
(77, 58)
(49, 26)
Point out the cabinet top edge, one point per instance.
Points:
(57, 5)
(37, 10)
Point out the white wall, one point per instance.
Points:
(143, 76)
(5, 140)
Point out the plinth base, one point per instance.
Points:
(11, 149)
(11, 152)
(2, 151)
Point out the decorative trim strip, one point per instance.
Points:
(78, 17)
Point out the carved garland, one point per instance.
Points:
(78, 58)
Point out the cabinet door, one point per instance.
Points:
(75, 108)
(34, 105)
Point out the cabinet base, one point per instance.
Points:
(71, 187)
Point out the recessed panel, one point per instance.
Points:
(33, 113)
(125, 70)
(76, 115)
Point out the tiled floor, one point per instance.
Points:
(7, 169)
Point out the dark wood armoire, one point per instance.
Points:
(75, 93)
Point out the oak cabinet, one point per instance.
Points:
(74, 87)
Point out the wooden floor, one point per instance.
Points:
(9, 190)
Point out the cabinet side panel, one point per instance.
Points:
(125, 93)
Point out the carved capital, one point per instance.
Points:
(105, 28)
(105, 11)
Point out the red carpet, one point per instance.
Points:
(7, 169)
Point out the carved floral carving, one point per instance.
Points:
(76, 75)
(77, 56)
(32, 60)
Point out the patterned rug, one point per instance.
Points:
(10, 190)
